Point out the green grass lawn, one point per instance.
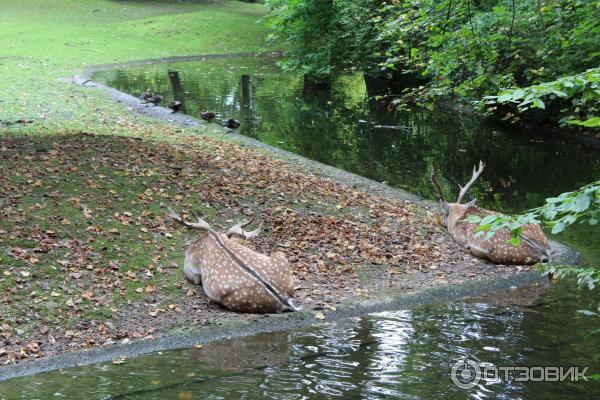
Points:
(41, 41)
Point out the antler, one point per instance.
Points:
(465, 189)
(437, 184)
(200, 223)
(237, 230)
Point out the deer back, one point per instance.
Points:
(497, 249)
(239, 278)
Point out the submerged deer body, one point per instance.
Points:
(234, 276)
(498, 249)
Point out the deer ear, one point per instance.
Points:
(471, 203)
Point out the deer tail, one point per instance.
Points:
(289, 305)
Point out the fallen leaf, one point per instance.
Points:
(185, 396)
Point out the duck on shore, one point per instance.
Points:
(147, 94)
(175, 105)
(232, 124)
(154, 99)
(208, 115)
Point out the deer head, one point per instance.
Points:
(233, 275)
(453, 212)
(534, 244)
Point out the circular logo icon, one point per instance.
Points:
(465, 374)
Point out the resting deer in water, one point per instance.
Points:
(234, 276)
(532, 249)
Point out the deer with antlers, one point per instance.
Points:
(532, 249)
(234, 276)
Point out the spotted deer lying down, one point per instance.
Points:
(234, 276)
(498, 249)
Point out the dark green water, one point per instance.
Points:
(342, 128)
(401, 355)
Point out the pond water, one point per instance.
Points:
(403, 354)
(341, 127)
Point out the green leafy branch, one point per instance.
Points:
(582, 90)
(585, 276)
(581, 206)
(559, 212)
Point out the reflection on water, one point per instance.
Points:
(343, 128)
(401, 354)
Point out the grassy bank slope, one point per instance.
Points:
(41, 41)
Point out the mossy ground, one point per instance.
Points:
(86, 255)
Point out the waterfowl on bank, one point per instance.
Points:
(232, 124)
(155, 99)
(207, 115)
(175, 105)
(147, 94)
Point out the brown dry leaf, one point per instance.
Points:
(185, 395)
(150, 288)
(87, 213)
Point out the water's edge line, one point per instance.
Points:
(274, 323)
